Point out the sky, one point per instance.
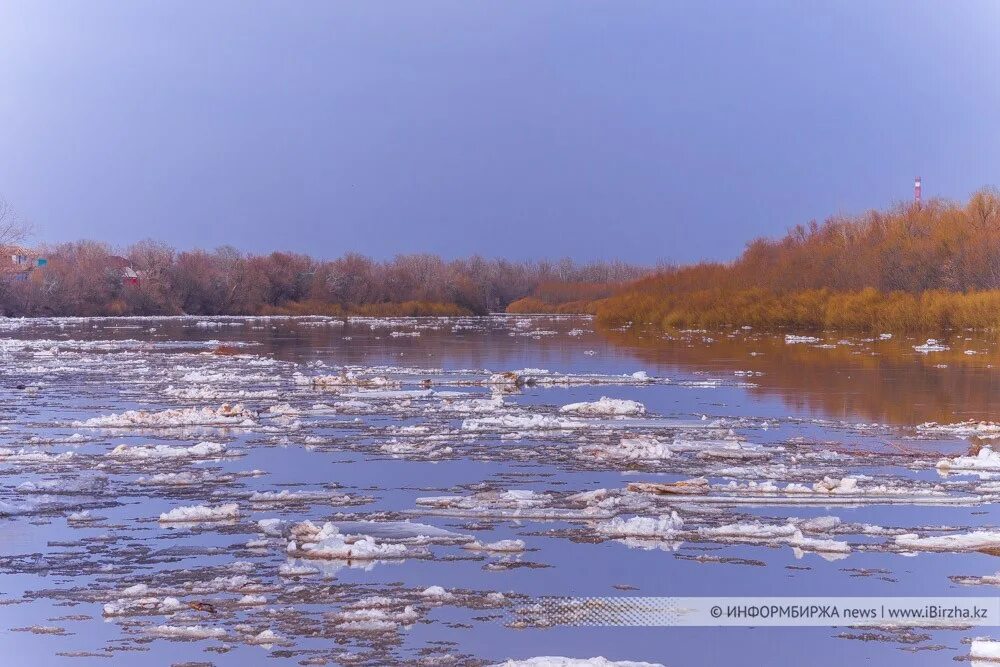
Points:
(640, 130)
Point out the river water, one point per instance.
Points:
(166, 485)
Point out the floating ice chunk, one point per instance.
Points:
(215, 324)
(133, 606)
(35, 456)
(696, 486)
(291, 497)
(986, 459)
(985, 580)
(501, 546)
(507, 378)
(559, 661)
(190, 632)
(180, 478)
(210, 393)
(642, 526)
(437, 593)
(409, 532)
(985, 649)
(932, 345)
(329, 543)
(541, 377)
(199, 513)
(252, 601)
(345, 379)
(532, 422)
(750, 531)
(225, 415)
(643, 448)
(37, 505)
(84, 486)
(792, 339)
(511, 499)
(961, 429)
(474, 405)
(799, 541)
(144, 452)
(755, 531)
(820, 524)
(271, 526)
(726, 451)
(267, 638)
(136, 590)
(512, 504)
(284, 409)
(296, 569)
(605, 406)
(367, 625)
(397, 394)
(831, 490)
(975, 541)
(377, 615)
(844, 485)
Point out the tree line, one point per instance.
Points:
(929, 267)
(90, 278)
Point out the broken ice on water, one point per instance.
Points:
(370, 491)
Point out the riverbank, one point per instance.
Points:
(865, 311)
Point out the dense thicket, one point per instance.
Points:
(88, 278)
(908, 268)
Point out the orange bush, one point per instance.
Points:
(865, 310)
(907, 269)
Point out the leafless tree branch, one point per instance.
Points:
(13, 228)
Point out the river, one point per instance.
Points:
(402, 491)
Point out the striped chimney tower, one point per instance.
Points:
(916, 191)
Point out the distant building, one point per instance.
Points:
(121, 267)
(22, 261)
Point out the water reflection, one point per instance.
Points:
(857, 379)
(871, 380)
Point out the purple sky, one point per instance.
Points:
(639, 130)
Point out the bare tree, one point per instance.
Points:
(13, 228)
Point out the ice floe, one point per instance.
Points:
(978, 540)
(986, 460)
(500, 546)
(327, 542)
(559, 661)
(200, 513)
(188, 632)
(642, 448)
(202, 450)
(644, 527)
(932, 345)
(225, 415)
(985, 650)
(606, 407)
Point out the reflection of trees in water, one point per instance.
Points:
(875, 381)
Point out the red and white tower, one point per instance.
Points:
(916, 191)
